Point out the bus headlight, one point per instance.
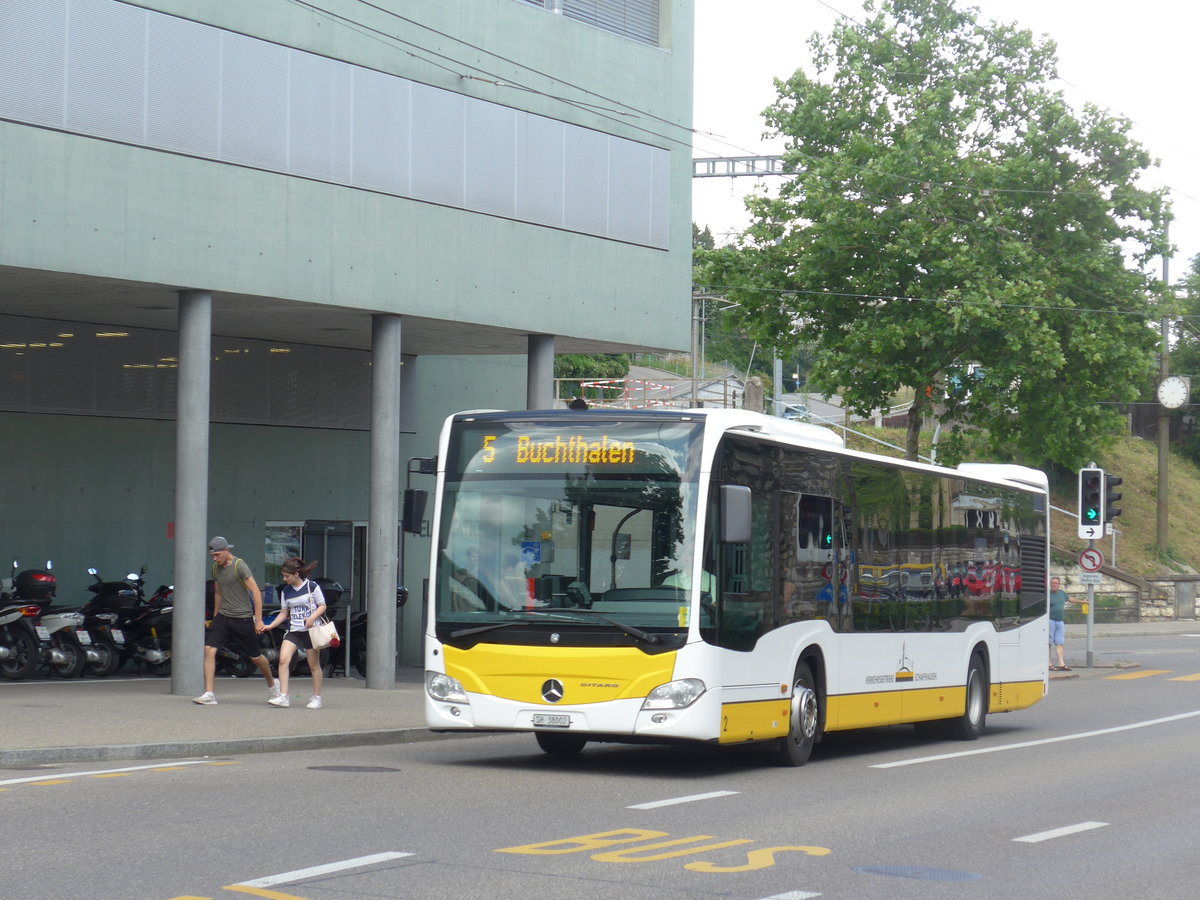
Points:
(444, 688)
(675, 694)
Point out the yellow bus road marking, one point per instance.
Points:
(759, 858)
(55, 781)
(1143, 673)
(36, 779)
(112, 775)
(261, 892)
(1195, 677)
(312, 872)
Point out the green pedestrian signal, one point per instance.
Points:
(1091, 498)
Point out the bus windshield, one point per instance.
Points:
(588, 520)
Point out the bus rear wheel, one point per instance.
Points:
(970, 724)
(560, 744)
(804, 720)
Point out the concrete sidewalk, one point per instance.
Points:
(137, 717)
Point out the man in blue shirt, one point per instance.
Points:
(1058, 603)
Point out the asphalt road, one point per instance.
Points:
(1092, 793)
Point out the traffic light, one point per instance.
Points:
(1091, 497)
(1111, 497)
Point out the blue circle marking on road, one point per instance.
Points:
(921, 873)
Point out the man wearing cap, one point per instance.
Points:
(237, 618)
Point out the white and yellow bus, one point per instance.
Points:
(723, 576)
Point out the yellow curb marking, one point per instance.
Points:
(262, 892)
(1144, 673)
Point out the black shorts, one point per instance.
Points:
(300, 639)
(234, 634)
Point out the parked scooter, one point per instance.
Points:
(106, 613)
(61, 637)
(358, 633)
(19, 651)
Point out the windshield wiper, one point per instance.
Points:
(648, 637)
(560, 617)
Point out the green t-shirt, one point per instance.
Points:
(1058, 602)
(236, 602)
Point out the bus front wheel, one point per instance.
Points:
(969, 725)
(560, 744)
(804, 720)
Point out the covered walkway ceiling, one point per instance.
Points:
(83, 298)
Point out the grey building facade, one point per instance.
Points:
(252, 254)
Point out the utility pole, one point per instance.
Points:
(1164, 429)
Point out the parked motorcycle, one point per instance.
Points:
(148, 631)
(62, 640)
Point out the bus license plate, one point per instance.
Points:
(541, 720)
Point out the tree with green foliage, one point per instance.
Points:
(953, 228)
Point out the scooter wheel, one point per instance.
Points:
(109, 661)
(74, 657)
(23, 661)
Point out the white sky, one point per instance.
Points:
(1136, 60)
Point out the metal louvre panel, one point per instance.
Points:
(585, 206)
(111, 70)
(318, 128)
(490, 169)
(437, 158)
(32, 61)
(254, 102)
(380, 135)
(541, 154)
(106, 57)
(630, 191)
(183, 108)
(636, 19)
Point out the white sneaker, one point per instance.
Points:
(273, 691)
(314, 703)
(208, 698)
(280, 700)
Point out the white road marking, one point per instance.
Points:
(1060, 832)
(301, 874)
(792, 895)
(1023, 744)
(657, 803)
(76, 682)
(54, 774)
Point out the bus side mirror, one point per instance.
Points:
(735, 514)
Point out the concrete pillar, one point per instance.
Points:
(191, 490)
(540, 374)
(384, 502)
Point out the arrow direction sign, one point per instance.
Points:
(1091, 532)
